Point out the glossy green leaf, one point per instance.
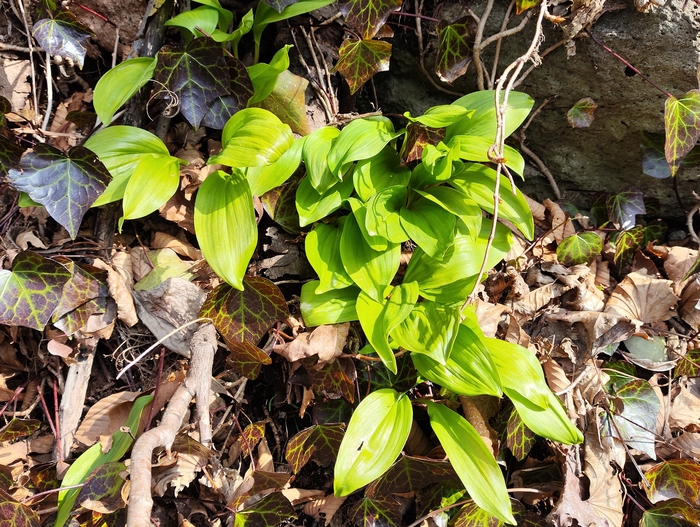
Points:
(264, 76)
(469, 370)
(322, 246)
(482, 122)
(452, 279)
(378, 319)
(224, 221)
(225, 16)
(270, 511)
(288, 101)
(682, 125)
(203, 17)
(579, 248)
(455, 43)
(93, 457)
(316, 149)
(675, 478)
(376, 510)
(63, 36)
(333, 307)
(458, 203)
(624, 207)
(375, 436)
(440, 116)
(478, 183)
(383, 217)
(430, 226)
(367, 16)
(636, 422)
(582, 113)
(371, 270)
(472, 460)
(265, 178)
(86, 283)
(313, 206)
(245, 25)
(378, 172)
(152, 183)
(119, 84)
(279, 5)
(252, 138)
(670, 513)
(167, 264)
(377, 243)
(319, 442)
(475, 148)
(552, 422)
(251, 436)
(471, 515)
(431, 329)
(66, 186)
(361, 139)
(360, 60)
(689, 365)
(102, 490)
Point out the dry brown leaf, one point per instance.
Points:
(58, 348)
(538, 210)
(162, 240)
(299, 496)
(688, 444)
(417, 443)
(602, 274)
(105, 417)
(474, 410)
(685, 407)
(677, 263)
(561, 224)
(324, 508)
(28, 237)
(555, 375)
(180, 210)
(17, 451)
(525, 309)
(120, 282)
(17, 89)
(326, 341)
(689, 300)
(189, 459)
(644, 299)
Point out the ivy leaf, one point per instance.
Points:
(319, 442)
(624, 207)
(86, 283)
(689, 365)
(66, 185)
(63, 36)
(376, 375)
(270, 511)
(224, 107)
(197, 75)
(518, 437)
(637, 421)
(582, 113)
(333, 411)
(101, 491)
(471, 515)
(382, 511)
(15, 514)
(417, 137)
(10, 155)
(257, 482)
(5, 107)
(280, 204)
(580, 248)
(31, 292)
(627, 243)
(18, 428)
(360, 60)
(523, 5)
(676, 478)
(682, 125)
(654, 162)
(243, 317)
(280, 5)
(251, 436)
(411, 473)
(670, 513)
(455, 43)
(368, 16)
(334, 380)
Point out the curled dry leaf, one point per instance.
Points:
(688, 307)
(326, 341)
(643, 299)
(162, 240)
(538, 210)
(688, 444)
(677, 262)
(121, 283)
(105, 417)
(685, 407)
(324, 508)
(561, 224)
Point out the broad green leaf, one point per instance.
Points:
(93, 457)
(374, 438)
(224, 220)
(454, 52)
(152, 183)
(475, 148)
(440, 116)
(682, 125)
(10, 154)
(361, 139)
(469, 370)
(103, 488)
(579, 248)
(322, 247)
(431, 329)
(270, 511)
(313, 206)
(430, 226)
(360, 60)
(63, 36)
(482, 122)
(121, 148)
(675, 478)
(203, 17)
(552, 422)
(119, 84)
(627, 244)
(452, 279)
(670, 513)
(472, 460)
(66, 185)
(279, 5)
(382, 214)
(167, 265)
(624, 207)
(265, 178)
(376, 510)
(16, 514)
(377, 243)
(367, 16)
(333, 307)
(245, 25)
(378, 319)
(478, 183)
(637, 420)
(371, 270)
(225, 16)
(316, 149)
(18, 428)
(518, 437)
(264, 76)
(253, 138)
(581, 113)
(288, 102)
(518, 369)
(240, 92)
(458, 203)
(319, 442)
(411, 473)
(378, 172)
(439, 161)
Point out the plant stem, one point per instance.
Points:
(416, 15)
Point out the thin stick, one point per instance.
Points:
(31, 57)
(504, 26)
(56, 408)
(689, 223)
(12, 47)
(535, 158)
(49, 93)
(159, 375)
(477, 45)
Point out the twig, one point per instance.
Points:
(504, 25)
(12, 47)
(575, 382)
(49, 93)
(535, 158)
(477, 45)
(689, 222)
(159, 375)
(31, 57)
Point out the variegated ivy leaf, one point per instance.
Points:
(66, 185)
(454, 48)
(319, 442)
(223, 108)
(676, 478)
(411, 473)
(251, 436)
(518, 438)
(637, 420)
(682, 124)
(18, 428)
(624, 207)
(379, 510)
(368, 16)
(63, 36)
(333, 380)
(523, 5)
(102, 488)
(582, 247)
(270, 511)
(359, 60)
(21, 515)
(257, 482)
(670, 513)
(581, 114)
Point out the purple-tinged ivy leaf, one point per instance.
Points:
(241, 91)
(101, 491)
(471, 515)
(15, 514)
(379, 511)
(627, 243)
(654, 162)
(359, 60)
(319, 442)
(368, 16)
(518, 437)
(455, 43)
(10, 155)
(280, 5)
(63, 36)
(676, 478)
(411, 473)
(19, 428)
(197, 75)
(66, 185)
(86, 283)
(268, 512)
(670, 513)
(682, 126)
(624, 207)
(31, 292)
(582, 113)
(418, 136)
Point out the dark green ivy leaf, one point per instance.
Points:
(454, 48)
(102, 488)
(654, 162)
(225, 106)
(319, 442)
(376, 512)
(5, 106)
(368, 16)
(582, 247)
(581, 113)
(63, 36)
(359, 60)
(682, 126)
(268, 512)
(624, 207)
(10, 155)
(411, 473)
(471, 515)
(628, 242)
(670, 513)
(66, 185)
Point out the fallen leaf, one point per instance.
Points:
(561, 224)
(120, 282)
(643, 299)
(162, 240)
(685, 407)
(326, 341)
(105, 417)
(190, 457)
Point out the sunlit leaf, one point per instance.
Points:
(251, 436)
(430, 226)
(15, 514)
(670, 513)
(264, 76)
(417, 138)
(359, 140)
(380, 510)
(552, 422)
(378, 172)
(152, 183)
(455, 43)
(313, 206)
(316, 149)
(471, 515)
(682, 125)
(475, 148)
(627, 243)
(272, 177)
(203, 17)
(382, 215)
(322, 247)
(440, 116)
(518, 437)
(624, 207)
(367, 16)
(86, 283)
(288, 101)
(411, 473)
(523, 5)
(119, 84)
(66, 185)
(335, 379)
(280, 5)
(18, 428)
(360, 60)
(101, 491)
(63, 36)
(458, 203)
(268, 512)
(580, 248)
(319, 442)
(333, 307)
(637, 420)
(225, 16)
(675, 478)
(431, 329)
(581, 114)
